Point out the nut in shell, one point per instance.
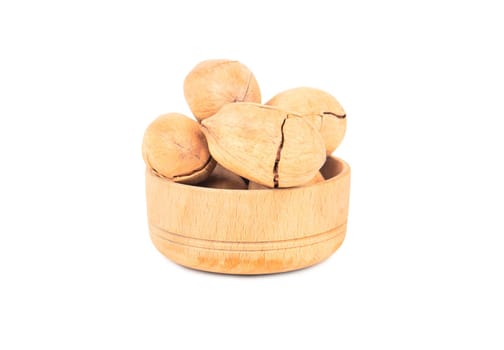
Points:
(320, 107)
(265, 144)
(213, 83)
(175, 148)
(316, 179)
(224, 179)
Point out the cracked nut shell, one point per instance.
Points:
(175, 148)
(320, 107)
(265, 144)
(213, 83)
(317, 179)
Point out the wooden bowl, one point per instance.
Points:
(249, 231)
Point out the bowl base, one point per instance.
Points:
(247, 258)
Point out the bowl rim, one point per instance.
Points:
(344, 170)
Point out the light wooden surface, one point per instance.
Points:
(249, 232)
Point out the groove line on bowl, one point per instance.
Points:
(341, 236)
(248, 242)
(160, 233)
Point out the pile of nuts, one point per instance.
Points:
(239, 143)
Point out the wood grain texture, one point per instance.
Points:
(249, 232)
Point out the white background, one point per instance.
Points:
(423, 85)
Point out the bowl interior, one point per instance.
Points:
(332, 167)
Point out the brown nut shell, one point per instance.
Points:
(224, 179)
(213, 83)
(255, 186)
(320, 107)
(265, 144)
(316, 179)
(175, 148)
